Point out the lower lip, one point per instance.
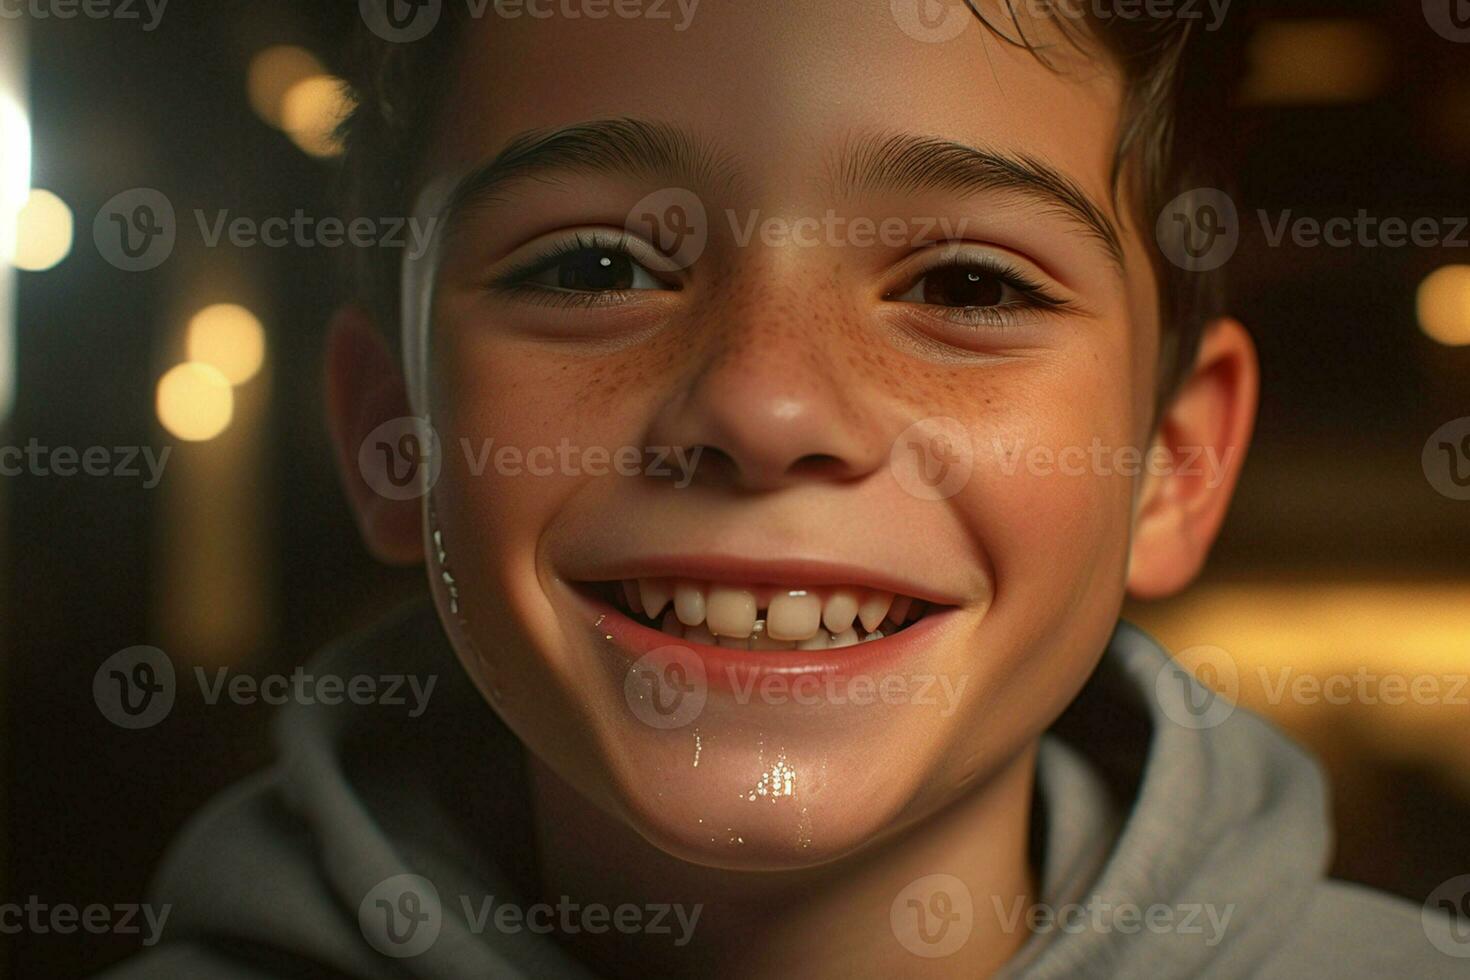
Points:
(727, 669)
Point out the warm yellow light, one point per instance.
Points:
(1443, 305)
(1314, 61)
(310, 112)
(195, 401)
(43, 232)
(228, 337)
(271, 75)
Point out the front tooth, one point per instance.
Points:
(699, 634)
(900, 610)
(873, 608)
(630, 592)
(817, 641)
(733, 642)
(689, 603)
(839, 612)
(846, 638)
(794, 616)
(729, 612)
(655, 594)
(671, 625)
(761, 639)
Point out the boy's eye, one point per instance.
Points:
(593, 270)
(962, 285)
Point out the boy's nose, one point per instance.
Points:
(771, 407)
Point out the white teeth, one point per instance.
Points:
(730, 612)
(873, 608)
(671, 625)
(875, 635)
(794, 616)
(655, 594)
(689, 603)
(699, 634)
(630, 592)
(900, 610)
(839, 612)
(760, 639)
(817, 641)
(733, 642)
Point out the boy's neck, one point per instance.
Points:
(819, 922)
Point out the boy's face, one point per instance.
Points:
(796, 355)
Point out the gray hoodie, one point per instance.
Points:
(1177, 836)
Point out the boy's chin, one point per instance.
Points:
(767, 810)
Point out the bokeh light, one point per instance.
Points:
(43, 232)
(1443, 305)
(272, 73)
(228, 337)
(1301, 62)
(195, 401)
(310, 112)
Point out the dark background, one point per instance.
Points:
(245, 554)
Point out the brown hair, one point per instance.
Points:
(1176, 93)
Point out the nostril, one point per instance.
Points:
(820, 466)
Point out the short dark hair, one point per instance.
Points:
(1177, 87)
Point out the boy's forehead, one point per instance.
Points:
(777, 89)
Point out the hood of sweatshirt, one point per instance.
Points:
(1177, 836)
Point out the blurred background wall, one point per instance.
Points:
(1346, 559)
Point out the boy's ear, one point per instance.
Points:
(365, 388)
(1196, 457)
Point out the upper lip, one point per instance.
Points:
(737, 570)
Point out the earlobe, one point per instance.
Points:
(365, 389)
(1196, 457)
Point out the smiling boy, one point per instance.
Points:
(853, 700)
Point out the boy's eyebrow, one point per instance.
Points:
(634, 146)
(906, 162)
(901, 161)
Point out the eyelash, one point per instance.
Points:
(1035, 298)
(517, 281)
